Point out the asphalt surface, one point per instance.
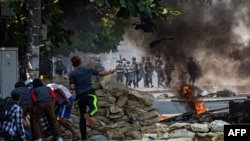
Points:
(173, 106)
(165, 106)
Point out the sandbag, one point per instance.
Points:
(126, 129)
(219, 137)
(199, 127)
(113, 86)
(148, 115)
(117, 115)
(96, 86)
(149, 121)
(100, 92)
(103, 104)
(147, 99)
(107, 98)
(179, 125)
(102, 118)
(136, 135)
(101, 112)
(180, 133)
(180, 139)
(122, 101)
(217, 125)
(115, 109)
(123, 118)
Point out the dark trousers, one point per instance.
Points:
(39, 110)
(89, 100)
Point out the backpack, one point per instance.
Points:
(5, 105)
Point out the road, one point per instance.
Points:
(170, 106)
(166, 106)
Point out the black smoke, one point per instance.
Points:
(214, 32)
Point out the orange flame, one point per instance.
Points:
(198, 105)
(162, 118)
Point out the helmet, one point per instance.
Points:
(28, 81)
(133, 58)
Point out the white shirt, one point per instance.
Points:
(59, 98)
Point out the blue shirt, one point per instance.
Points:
(26, 96)
(81, 77)
(15, 123)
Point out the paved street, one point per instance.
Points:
(174, 106)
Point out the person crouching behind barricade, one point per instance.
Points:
(12, 129)
(44, 103)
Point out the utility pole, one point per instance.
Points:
(34, 36)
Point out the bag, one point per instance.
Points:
(5, 105)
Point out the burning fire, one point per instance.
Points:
(198, 105)
(162, 118)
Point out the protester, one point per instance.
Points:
(64, 105)
(80, 81)
(44, 103)
(13, 128)
(26, 103)
(192, 70)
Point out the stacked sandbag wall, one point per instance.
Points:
(124, 113)
(212, 131)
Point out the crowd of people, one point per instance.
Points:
(132, 72)
(38, 109)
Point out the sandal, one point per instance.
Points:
(89, 120)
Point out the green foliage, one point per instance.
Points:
(14, 28)
(104, 36)
(148, 11)
(101, 34)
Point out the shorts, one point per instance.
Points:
(62, 111)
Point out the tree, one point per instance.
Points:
(149, 12)
(102, 35)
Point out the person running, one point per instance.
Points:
(80, 81)
(64, 104)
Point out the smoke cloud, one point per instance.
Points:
(214, 33)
